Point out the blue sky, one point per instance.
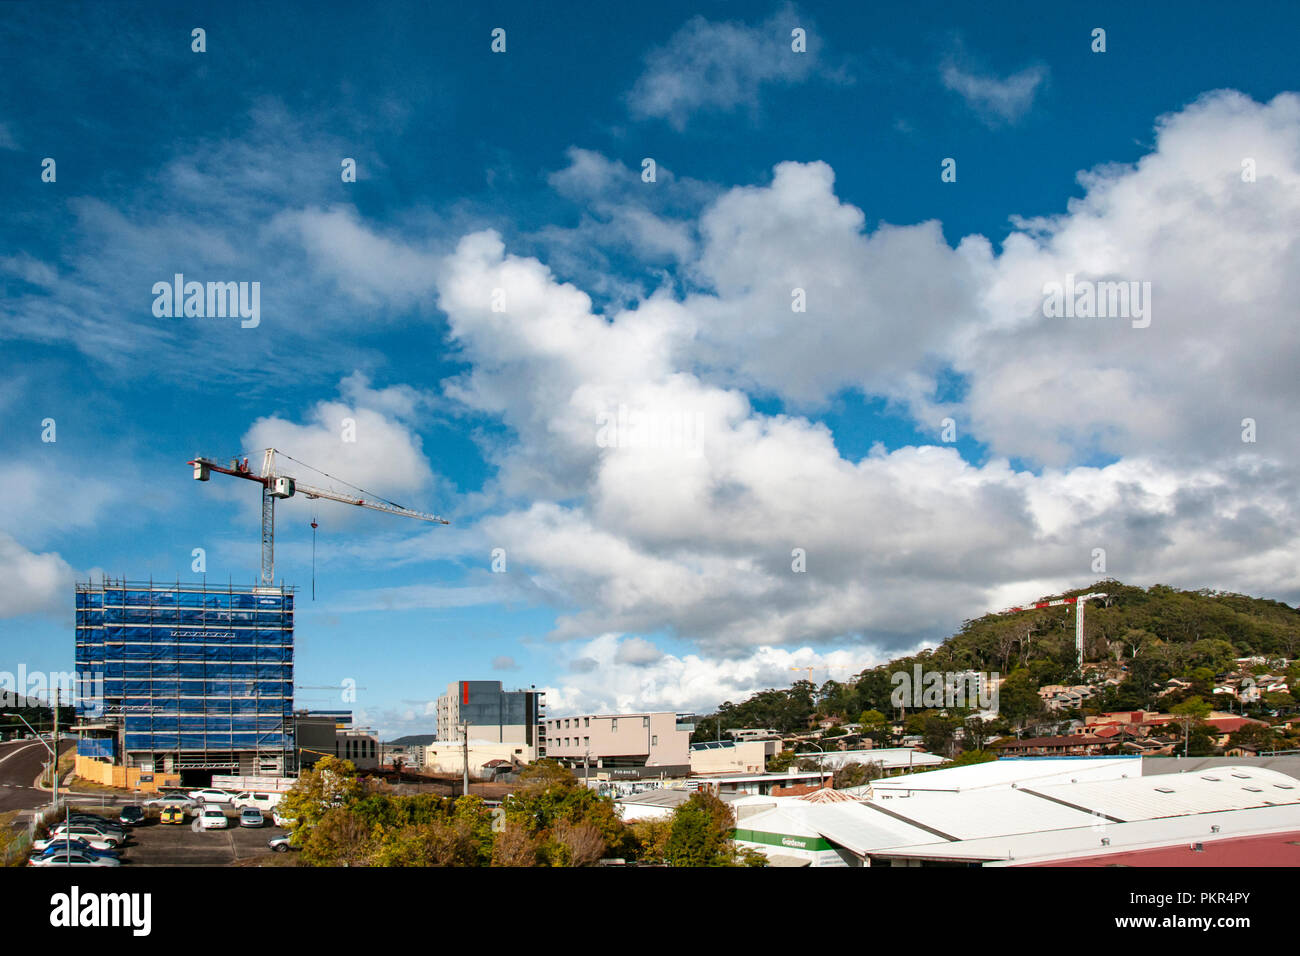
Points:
(660, 577)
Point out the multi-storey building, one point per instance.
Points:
(651, 742)
(492, 715)
(185, 677)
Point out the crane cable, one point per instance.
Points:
(313, 554)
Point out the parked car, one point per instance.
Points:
(74, 858)
(211, 795)
(264, 801)
(87, 832)
(251, 817)
(131, 815)
(279, 844)
(172, 815)
(106, 826)
(80, 844)
(213, 818)
(284, 823)
(171, 800)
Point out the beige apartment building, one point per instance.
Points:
(657, 743)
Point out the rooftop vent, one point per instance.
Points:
(1164, 789)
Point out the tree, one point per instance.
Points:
(546, 773)
(875, 725)
(1192, 707)
(701, 833)
(855, 774)
(551, 803)
(968, 757)
(329, 785)
(1018, 698)
(441, 843)
(515, 846)
(578, 844)
(650, 839)
(1256, 736)
(339, 838)
(939, 731)
(781, 762)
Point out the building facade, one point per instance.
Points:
(492, 714)
(186, 677)
(642, 741)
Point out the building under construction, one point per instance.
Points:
(195, 679)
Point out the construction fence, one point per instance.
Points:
(126, 778)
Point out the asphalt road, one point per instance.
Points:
(20, 763)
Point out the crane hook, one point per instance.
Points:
(314, 526)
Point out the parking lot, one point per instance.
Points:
(152, 843)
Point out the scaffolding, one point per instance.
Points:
(194, 677)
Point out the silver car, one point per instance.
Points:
(74, 858)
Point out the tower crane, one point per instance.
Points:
(276, 484)
(1078, 602)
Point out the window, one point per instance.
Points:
(586, 741)
(645, 721)
(586, 721)
(654, 741)
(613, 725)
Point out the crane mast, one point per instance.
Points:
(276, 485)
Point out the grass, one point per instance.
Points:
(8, 835)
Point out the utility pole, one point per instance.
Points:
(465, 735)
(54, 761)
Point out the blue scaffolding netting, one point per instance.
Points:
(188, 667)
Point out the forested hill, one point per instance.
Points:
(1143, 636)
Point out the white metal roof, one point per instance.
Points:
(1006, 771)
(1177, 794)
(890, 758)
(851, 825)
(1019, 849)
(972, 814)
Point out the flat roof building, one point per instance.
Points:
(654, 743)
(492, 714)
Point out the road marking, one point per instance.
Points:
(17, 750)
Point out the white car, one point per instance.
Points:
(279, 844)
(171, 800)
(85, 831)
(284, 823)
(95, 843)
(212, 795)
(75, 859)
(213, 818)
(266, 802)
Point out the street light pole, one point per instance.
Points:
(54, 757)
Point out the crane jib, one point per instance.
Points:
(276, 485)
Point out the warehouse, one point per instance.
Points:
(1018, 812)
